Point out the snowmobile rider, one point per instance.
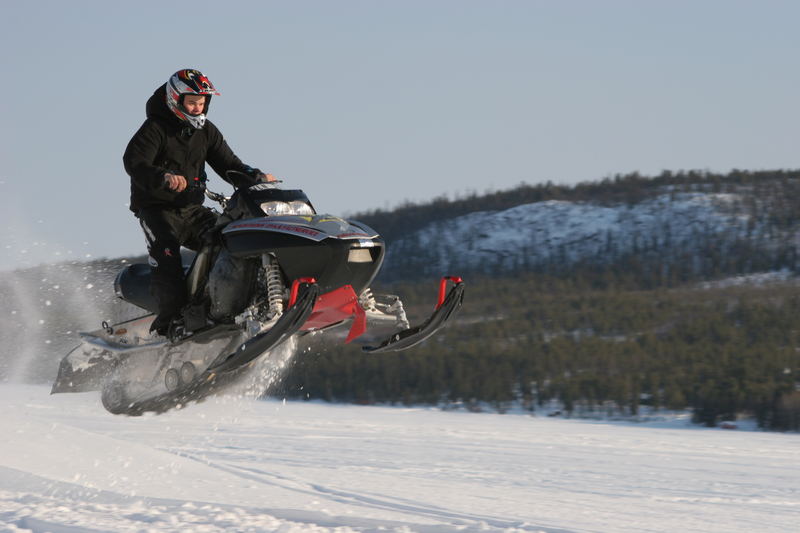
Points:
(166, 162)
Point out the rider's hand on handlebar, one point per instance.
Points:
(266, 177)
(175, 182)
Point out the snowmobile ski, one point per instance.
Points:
(446, 308)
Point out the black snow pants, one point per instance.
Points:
(166, 230)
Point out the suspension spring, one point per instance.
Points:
(275, 286)
(367, 300)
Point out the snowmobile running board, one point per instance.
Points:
(114, 347)
(446, 307)
(226, 366)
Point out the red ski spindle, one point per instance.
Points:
(443, 286)
(295, 287)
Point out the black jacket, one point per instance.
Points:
(164, 143)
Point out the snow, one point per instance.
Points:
(233, 464)
(758, 279)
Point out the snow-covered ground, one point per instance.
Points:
(243, 465)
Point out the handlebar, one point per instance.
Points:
(239, 180)
(217, 197)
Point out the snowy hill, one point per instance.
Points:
(233, 464)
(555, 234)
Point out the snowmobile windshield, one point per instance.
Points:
(265, 200)
(277, 202)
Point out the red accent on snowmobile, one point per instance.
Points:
(336, 306)
(295, 286)
(443, 286)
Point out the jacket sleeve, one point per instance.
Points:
(221, 157)
(140, 157)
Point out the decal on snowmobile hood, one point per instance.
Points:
(316, 228)
(279, 227)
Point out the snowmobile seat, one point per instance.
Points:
(133, 285)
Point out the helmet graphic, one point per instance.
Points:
(189, 81)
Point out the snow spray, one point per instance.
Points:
(267, 371)
(45, 308)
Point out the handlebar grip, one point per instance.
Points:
(191, 183)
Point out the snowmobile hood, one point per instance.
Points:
(313, 227)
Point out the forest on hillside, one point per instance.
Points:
(721, 352)
(610, 333)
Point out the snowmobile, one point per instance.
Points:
(271, 269)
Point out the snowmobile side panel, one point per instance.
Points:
(230, 285)
(336, 306)
(332, 262)
(411, 337)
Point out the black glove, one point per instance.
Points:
(252, 172)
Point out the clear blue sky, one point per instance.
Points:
(367, 104)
